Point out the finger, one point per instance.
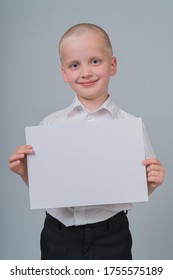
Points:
(153, 173)
(155, 167)
(155, 179)
(151, 161)
(20, 152)
(16, 157)
(14, 164)
(25, 149)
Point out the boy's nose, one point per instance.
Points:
(86, 72)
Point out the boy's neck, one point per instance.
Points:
(92, 104)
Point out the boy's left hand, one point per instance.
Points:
(155, 173)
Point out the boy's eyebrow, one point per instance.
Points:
(72, 62)
(96, 57)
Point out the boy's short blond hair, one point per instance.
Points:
(81, 28)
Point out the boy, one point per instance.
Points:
(93, 232)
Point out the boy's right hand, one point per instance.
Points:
(18, 161)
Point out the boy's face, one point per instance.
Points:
(87, 65)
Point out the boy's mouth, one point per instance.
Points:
(88, 83)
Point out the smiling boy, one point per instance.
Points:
(87, 65)
(93, 232)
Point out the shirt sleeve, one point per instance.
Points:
(149, 152)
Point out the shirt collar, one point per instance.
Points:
(108, 105)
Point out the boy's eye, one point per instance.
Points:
(96, 61)
(74, 65)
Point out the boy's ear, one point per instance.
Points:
(64, 75)
(113, 66)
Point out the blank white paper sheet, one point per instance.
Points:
(86, 163)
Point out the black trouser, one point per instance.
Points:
(107, 240)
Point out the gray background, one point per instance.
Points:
(31, 87)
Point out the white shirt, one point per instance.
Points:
(74, 113)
